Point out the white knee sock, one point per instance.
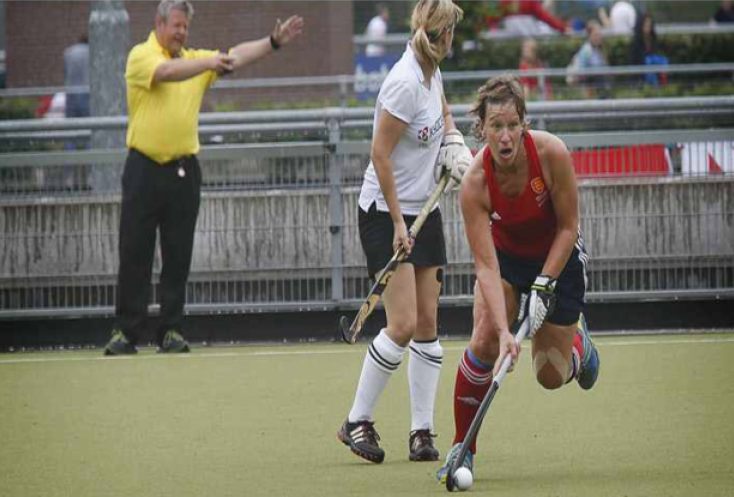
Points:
(424, 370)
(382, 358)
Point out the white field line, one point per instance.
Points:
(340, 350)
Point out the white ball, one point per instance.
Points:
(463, 478)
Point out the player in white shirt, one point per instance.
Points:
(413, 135)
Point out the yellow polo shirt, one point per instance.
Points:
(163, 118)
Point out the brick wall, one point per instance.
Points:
(38, 31)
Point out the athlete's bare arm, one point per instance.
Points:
(388, 133)
(448, 119)
(476, 208)
(560, 179)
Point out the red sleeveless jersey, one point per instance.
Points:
(522, 226)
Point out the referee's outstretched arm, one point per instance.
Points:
(283, 32)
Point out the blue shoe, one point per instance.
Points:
(450, 457)
(589, 370)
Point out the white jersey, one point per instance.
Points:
(405, 97)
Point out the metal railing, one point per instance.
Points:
(343, 85)
(310, 124)
(277, 228)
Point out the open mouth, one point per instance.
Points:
(506, 152)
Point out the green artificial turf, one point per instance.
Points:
(261, 420)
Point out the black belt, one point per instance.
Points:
(177, 162)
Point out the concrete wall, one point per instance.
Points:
(62, 254)
(666, 217)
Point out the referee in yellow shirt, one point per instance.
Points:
(162, 179)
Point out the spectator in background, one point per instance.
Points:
(591, 55)
(521, 16)
(529, 60)
(621, 19)
(725, 12)
(581, 11)
(377, 30)
(76, 73)
(644, 49)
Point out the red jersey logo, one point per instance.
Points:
(537, 185)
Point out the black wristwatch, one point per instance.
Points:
(274, 43)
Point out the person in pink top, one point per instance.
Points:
(521, 213)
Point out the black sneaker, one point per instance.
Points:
(421, 446)
(119, 345)
(173, 343)
(362, 438)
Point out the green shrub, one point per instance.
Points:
(17, 108)
(557, 52)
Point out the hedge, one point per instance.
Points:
(557, 52)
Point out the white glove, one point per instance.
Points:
(542, 301)
(453, 156)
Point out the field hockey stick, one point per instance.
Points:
(476, 423)
(351, 332)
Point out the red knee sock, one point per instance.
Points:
(577, 353)
(472, 382)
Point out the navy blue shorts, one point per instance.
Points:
(376, 232)
(570, 287)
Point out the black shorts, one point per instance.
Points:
(570, 287)
(376, 232)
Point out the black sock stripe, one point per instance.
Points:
(392, 366)
(425, 354)
(436, 359)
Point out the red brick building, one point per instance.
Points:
(38, 31)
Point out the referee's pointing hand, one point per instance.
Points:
(284, 32)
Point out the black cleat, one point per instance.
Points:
(362, 438)
(119, 345)
(173, 343)
(421, 446)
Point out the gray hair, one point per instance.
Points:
(166, 6)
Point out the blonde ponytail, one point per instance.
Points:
(427, 51)
(430, 20)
